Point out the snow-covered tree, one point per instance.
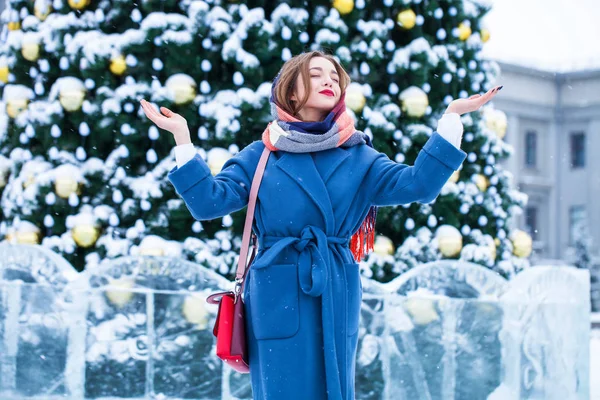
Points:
(85, 171)
(582, 256)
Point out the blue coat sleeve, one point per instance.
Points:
(209, 197)
(391, 183)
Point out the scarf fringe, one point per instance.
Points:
(363, 240)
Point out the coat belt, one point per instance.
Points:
(314, 270)
(314, 256)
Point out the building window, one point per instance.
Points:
(577, 216)
(531, 221)
(531, 149)
(577, 150)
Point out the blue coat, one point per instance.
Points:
(303, 290)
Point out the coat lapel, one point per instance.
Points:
(331, 160)
(302, 169)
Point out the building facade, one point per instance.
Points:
(554, 128)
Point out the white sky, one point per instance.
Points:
(553, 35)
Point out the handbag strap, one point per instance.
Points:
(242, 268)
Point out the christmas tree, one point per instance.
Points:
(83, 172)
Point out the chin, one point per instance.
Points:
(328, 105)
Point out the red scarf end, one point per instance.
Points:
(363, 240)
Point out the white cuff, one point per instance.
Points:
(184, 153)
(451, 128)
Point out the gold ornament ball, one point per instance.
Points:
(3, 176)
(79, 4)
(64, 186)
(406, 19)
(383, 246)
(118, 65)
(522, 243)
(71, 93)
(493, 252)
(28, 237)
(355, 100)
(27, 233)
(4, 70)
(30, 51)
(182, 88)
(216, 158)
(121, 297)
(194, 311)
(449, 240)
(14, 25)
(4, 73)
(14, 22)
(414, 101)
(497, 121)
(422, 311)
(85, 235)
(343, 6)
(42, 9)
(16, 107)
(485, 35)
(464, 31)
(481, 182)
(454, 177)
(152, 245)
(72, 100)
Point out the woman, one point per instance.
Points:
(321, 182)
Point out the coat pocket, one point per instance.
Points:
(274, 301)
(354, 296)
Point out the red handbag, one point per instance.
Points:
(229, 326)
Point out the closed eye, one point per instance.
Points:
(318, 76)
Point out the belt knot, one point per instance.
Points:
(313, 263)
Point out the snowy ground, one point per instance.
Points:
(595, 364)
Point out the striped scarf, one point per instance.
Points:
(287, 133)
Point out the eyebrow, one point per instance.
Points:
(333, 71)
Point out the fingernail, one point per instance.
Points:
(500, 88)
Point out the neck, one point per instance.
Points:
(311, 115)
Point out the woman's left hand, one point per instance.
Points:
(473, 103)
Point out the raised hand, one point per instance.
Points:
(473, 103)
(168, 121)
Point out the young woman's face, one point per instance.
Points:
(324, 93)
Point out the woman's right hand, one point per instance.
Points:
(168, 121)
(473, 103)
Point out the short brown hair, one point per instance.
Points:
(286, 84)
